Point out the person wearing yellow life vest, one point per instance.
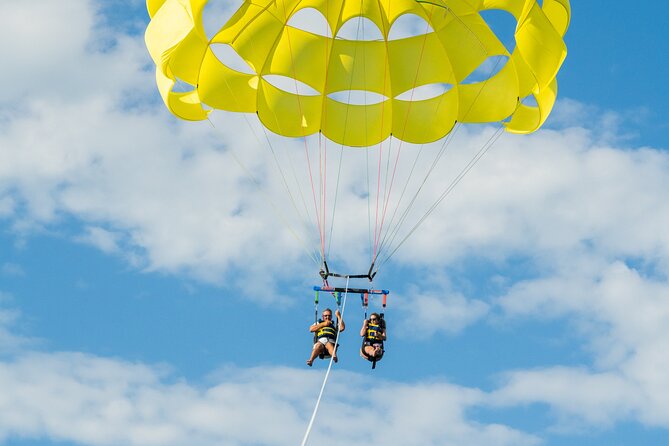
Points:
(326, 334)
(373, 332)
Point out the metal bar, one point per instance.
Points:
(350, 290)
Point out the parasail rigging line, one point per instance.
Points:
(284, 182)
(491, 141)
(399, 149)
(277, 211)
(391, 234)
(482, 151)
(360, 24)
(320, 221)
(327, 374)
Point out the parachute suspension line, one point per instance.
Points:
(392, 227)
(484, 149)
(328, 52)
(313, 194)
(324, 165)
(389, 187)
(391, 234)
(373, 251)
(317, 211)
(322, 161)
(303, 217)
(306, 220)
(334, 205)
(268, 198)
(442, 150)
(327, 373)
(270, 147)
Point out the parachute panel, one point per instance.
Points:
(491, 100)
(411, 68)
(299, 114)
(425, 121)
(358, 125)
(459, 43)
(224, 88)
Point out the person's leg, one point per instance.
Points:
(330, 347)
(369, 350)
(317, 350)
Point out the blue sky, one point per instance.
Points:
(149, 297)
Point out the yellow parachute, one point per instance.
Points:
(325, 66)
(459, 41)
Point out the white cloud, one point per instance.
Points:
(578, 397)
(177, 192)
(105, 241)
(623, 319)
(82, 135)
(436, 310)
(10, 342)
(12, 270)
(99, 401)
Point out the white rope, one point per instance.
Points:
(327, 374)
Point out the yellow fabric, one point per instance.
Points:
(458, 43)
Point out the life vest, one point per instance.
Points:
(329, 331)
(374, 333)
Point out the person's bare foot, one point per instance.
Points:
(309, 362)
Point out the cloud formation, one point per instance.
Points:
(99, 401)
(83, 135)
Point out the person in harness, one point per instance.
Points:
(373, 332)
(325, 331)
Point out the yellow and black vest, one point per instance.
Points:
(329, 331)
(374, 330)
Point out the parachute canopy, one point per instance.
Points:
(457, 42)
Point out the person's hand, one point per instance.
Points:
(338, 314)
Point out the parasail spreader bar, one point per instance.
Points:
(349, 290)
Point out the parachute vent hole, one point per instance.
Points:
(181, 86)
(529, 101)
(357, 97)
(503, 25)
(312, 21)
(424, 92)
(409, 25)
(230, 58)
(290, 85)
(359, 28)
(489, 68)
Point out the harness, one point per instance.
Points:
(330, 331)
(373, 330)
(371, 339)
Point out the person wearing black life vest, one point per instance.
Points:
(325, 334)
(373, 332)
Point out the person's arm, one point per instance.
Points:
(317, 326)
(342, 326)
(363, 330)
